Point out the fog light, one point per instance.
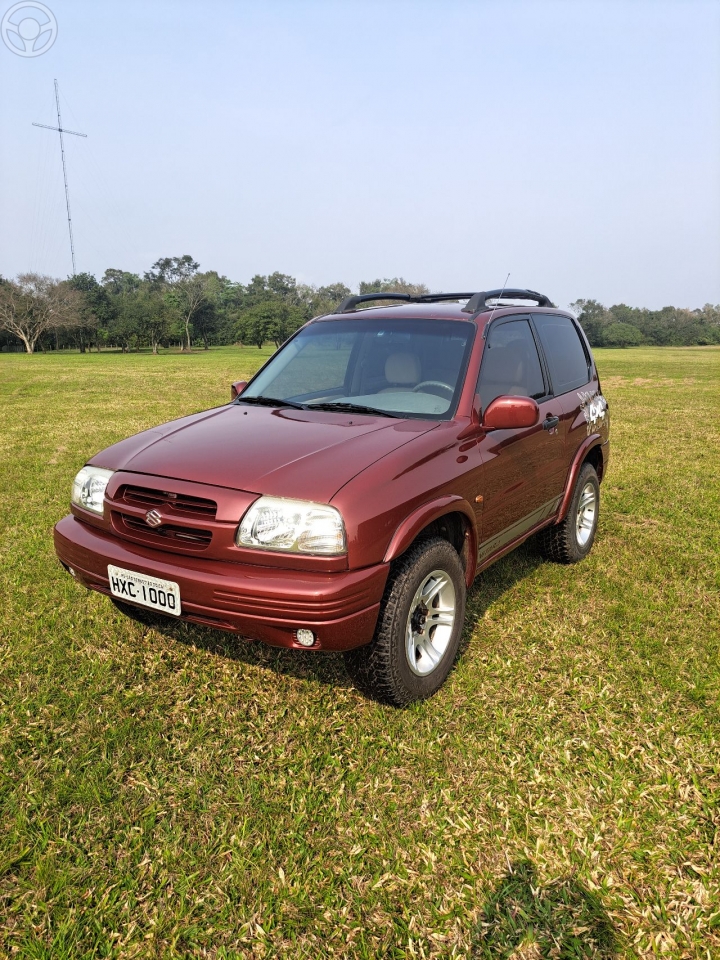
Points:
(71, 571)
(305, 637)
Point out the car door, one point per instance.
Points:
(522, 469)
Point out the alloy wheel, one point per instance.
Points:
(586, 512)
(430, 623)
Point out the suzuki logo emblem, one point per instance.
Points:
(153, 518)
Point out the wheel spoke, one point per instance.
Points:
(441, 617)
(431, 590)
(430, 652)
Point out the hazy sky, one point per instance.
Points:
(575, 144)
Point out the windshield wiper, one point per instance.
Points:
(344, 407)
(271, 402)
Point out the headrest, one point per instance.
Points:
(402, 368)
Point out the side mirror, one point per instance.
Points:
(237, 388)
(510, 413)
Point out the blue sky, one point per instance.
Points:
(574, 144)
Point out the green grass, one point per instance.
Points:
(184, 793)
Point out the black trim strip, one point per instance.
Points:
(517, 529)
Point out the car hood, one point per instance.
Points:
(280, 452)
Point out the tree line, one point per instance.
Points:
(175, 303)
(623, 326)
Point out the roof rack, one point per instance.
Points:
(477, 302)
(349, 303)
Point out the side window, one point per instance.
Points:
(568, 362)
(510, 364)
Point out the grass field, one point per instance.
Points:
(184, 793)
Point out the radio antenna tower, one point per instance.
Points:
(59, 129)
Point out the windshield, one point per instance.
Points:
(401, 367)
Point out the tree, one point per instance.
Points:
(152, 318)
(253, 325)
(211, 317)
(228, 298)
(285, 321)
(94, 299)
(593, 318)
(33, 304)
(272, 308)
(622, 335)
(205, 323)
(396, 285)
(187, 290)
(124, 319)
(319, 300)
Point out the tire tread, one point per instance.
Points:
(558, 542)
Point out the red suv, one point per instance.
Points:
(348, 495)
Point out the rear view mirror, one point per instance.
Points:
(237, 388)
(509, 413)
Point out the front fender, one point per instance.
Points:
(411, 526)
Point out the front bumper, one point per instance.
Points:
(261, 603)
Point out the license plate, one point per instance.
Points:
(163, 595)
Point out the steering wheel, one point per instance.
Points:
(434, 383)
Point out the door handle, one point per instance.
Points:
(550, 422)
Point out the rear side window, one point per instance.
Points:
(510, 364)
(569, 364)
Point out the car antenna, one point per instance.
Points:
(500, 297)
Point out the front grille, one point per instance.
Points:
(174, 502)
(185, 536)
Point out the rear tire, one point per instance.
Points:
(419, 627)
(571, 540)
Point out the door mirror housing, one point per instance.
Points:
(510, 413)
(237, 388)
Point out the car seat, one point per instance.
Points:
(402, 372)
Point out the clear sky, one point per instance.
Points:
(575, 144)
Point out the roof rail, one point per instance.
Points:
(349, 303)
(436, 297)
(478, 301)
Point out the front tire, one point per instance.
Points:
(572, 539)
(419, 627)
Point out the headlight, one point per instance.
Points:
(297, 526)
(88, 488)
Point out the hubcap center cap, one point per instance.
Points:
(419, 618)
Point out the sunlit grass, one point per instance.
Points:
(187, 793)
